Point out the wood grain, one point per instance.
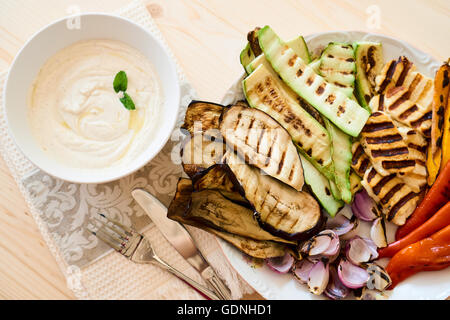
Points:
(206, 37)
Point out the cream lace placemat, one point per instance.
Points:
(62, 211)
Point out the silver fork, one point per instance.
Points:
(137, 248)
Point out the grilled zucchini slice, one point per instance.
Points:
(283, 211)
(246, 56)
(355, 182)
(342, 159)
(263, 143)
(297, 44)
(369, 62)
(337, 66)
(327, 99)
(266, 92)
(300, 48)
(320, 187)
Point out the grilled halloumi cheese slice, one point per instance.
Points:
(405, 94)
(417, 146)
(397, 200)
(360, 160)
(384, 145)
(264, 143)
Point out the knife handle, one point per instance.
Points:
(215, 282)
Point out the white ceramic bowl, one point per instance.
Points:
(57, 36)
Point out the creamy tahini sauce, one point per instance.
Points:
(77, 117)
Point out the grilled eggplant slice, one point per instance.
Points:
(263, 142)
(283, 211)
(252, 38)
(254, 248)
(199, 153)
(217, 178)
(206, 114)
(384, 145)
(397, 200)
(345, 113)
(369, 61)
(210, 208)
(338, 67)
(266, 92)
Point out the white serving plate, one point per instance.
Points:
(270, 285)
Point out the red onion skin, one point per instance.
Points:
(335, 289)
(360, 207)
(352, 285)
(284, 267)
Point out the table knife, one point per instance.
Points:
(180, 239)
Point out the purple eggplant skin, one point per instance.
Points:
(299, 236)
(217, 177)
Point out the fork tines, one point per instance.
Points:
(115, 234)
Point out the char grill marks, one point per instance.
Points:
(259, 139)
(384, 145)
(396, 198)
(360, 161)
(405, 94)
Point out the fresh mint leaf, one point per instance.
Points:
(127, 102)
(120, 82)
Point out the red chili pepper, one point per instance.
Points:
(429, 254)
(437, 196)
(440, 220)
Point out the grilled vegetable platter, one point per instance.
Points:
(328, 150)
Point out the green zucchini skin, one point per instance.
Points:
(300, 48)
(333, 104)
(266, 92)
(337, 66)
(246, 56)
(364, 89)
(320, 187)
(297, 44)
(342, 159)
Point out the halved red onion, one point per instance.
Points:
(318, 278)
(352, 276)
(317, 244)
(302, 269)
(342, 225)
(378, 277)
(378, 233)
(359, 250)
(364, 207)
(281, 264)
(335, 289)
(334, 245)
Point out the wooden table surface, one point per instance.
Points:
(206, 37)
